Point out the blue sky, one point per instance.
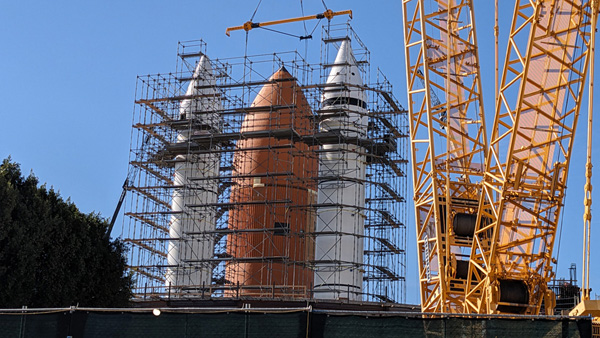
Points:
(68, 73)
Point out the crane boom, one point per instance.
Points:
(528, 160)
(448, 143)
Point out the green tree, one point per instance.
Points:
(51, 254)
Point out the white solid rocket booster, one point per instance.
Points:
(341, 196)
(191, 244)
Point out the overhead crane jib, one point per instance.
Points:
(249, 25)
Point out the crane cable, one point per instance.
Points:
(303, 22)
(255, 10)
(587, 214)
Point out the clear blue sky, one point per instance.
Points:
(68, 72)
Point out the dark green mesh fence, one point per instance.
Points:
(355, 326)
(294, 324)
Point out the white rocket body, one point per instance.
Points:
(341, 194)
(196, 188)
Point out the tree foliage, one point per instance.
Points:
(51, 254)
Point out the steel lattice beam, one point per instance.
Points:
(448, 140)
(528, 160)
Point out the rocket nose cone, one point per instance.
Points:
(344, 72)
(202, 82)
(281, 73)
(203, 68)
(345, 53)
(203, 75)
(345, 69)
(280, 89)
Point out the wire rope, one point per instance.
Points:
(255, 10)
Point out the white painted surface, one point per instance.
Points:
(193, 191)
(340, 221)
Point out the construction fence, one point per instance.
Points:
(303, 322)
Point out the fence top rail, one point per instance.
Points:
(248, 309)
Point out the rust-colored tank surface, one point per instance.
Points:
(273, 187)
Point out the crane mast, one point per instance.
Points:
(448, 143)
(528, 160)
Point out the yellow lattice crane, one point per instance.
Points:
(528, 161)
(519, 188)
(448, 143)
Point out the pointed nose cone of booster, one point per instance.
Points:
(344, 92)
(204, 98)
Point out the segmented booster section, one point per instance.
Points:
(341, 193)
(273, 186)
(191, 243)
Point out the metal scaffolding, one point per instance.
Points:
(225, 157)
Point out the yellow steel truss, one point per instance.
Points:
(448, 142)
(528, 160)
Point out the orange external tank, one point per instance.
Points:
(273, 187)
